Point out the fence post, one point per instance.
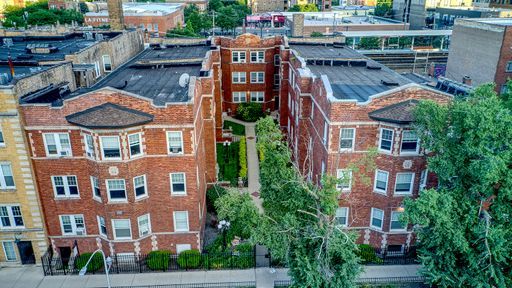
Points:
(254, 255)
(140, 263)
(117, 263)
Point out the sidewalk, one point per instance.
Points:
(32, 277)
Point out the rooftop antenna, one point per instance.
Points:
(8, 42)
(184, 79)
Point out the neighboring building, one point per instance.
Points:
(263, 6)
(124, 165)
(336, 105)
(64, 4)
(22, 230)
(93, 54)
(415, 12)
(201, 4)
(153, 18)
(444, 18)
(487, 41)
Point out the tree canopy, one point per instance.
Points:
(37, 13)
(464, 225)
(303, 8)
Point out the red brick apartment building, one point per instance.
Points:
(124, 165)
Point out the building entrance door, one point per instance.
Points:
(26, 252)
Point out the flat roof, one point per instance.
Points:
(319, 51)
(21, 71)
(143, 9)
(397, 33)
(349, 20)
(493, 21)
(59, 46)
(177, 52)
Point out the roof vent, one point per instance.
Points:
(184, 78)
(389, 83)
(4, 78)
(41, 48)
(88, 36)
(99, 37)
(373, 67)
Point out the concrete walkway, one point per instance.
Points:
(32, 277)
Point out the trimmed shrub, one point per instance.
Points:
(243, 158)
(158, 260)
(249, 111)
(316, 34)
(212, 194)
(367, 254)
(95, 264)
(189, 259)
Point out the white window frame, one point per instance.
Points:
(3, 183)
(184, 184)
(417, 151)
(66, 186)
(10, 215)
(353, 139)
(135, 186)
(339, 174)
(95, 181)
(381, 220)
(508, 67)
(257, 77)
(174, 221)
(114, 229)
(423, 179)
(375, 188)
(99, 218)
(326, 133)
(237, 77)
(391, 222)
(125, 199)
(13, 250)
(182, 247)
(258, 96)
(149, 225)
(259, 55)
(58, 145)
(155, 27)
(103, 151)
(240, 57)
(346, 216)
(411, 187)
(139, 137)
(169, 143)
(239, 97)
(103, 57)
(2, 137)
(312, 110)
(97, 69)
(72, 218)
(392, 138)
(89, 151)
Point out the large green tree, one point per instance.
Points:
(464, 225)
(303, 8)
(298, 222)
(38, 14)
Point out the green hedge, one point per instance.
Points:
(158, 260)
(95, 264)
(368, 255)
(212, 194)
(243, 158)
(250, 112)
(189, 259)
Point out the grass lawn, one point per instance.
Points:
(237, 128)
(227, 157)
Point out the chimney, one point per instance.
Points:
(466, 80)
(115, 14)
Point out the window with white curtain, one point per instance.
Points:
(111, 150)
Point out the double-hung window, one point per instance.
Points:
(57, 144)
(181, 221)
(9, 251)
(342, 216)
(110, 147)
(122, 228)
(175, 142)
(139, 184)
(257, 56)
(135, 144)
(277, 60)
(409, 143)
(96, 191)
(107, 63)
(239, 97)
(6, 177)
(238, 77)
(381, 181)
(178, 184)
(102, 226)
(257, 96)
(347, 138)
(344, 180)
(386, 140)
(10, 217)
(423, 179)
(238, 56)
(377, 218)
(257, 77)
(404, 183)
(2, 140)
(276, 80)
(144, 225)
(72, 224)
(89, 146)
(116, 190)
(395, 221)
(65, 186)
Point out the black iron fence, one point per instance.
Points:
(156, 262)
(246, 284)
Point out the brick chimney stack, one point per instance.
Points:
(115, 13)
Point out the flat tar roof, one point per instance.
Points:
(21, 71)
(397, 33)
(325, 52)
(349, 20)
(493, 21)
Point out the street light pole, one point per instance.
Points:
(106, 261)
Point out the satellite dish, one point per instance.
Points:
(184, 78)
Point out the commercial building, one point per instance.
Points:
(155, 18)
(488, 42)
(444, 17)
(415, 12)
